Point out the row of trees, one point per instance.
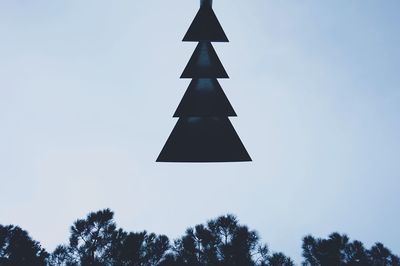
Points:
(96, 240)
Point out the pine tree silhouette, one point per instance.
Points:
(203, 132)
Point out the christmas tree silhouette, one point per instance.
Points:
(203, 132)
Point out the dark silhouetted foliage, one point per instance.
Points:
(17, 248)
(96, 241)
(279, 259)
(221, 242)
(338, 250)
(380, 255)
(91, 241)
(140, 249)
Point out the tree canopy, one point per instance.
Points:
(338, 250)
(97, 241)
(17, 248)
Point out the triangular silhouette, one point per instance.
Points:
(204, 97)
(205, 27)
(203, 132)
(203, 139)
(204, 63)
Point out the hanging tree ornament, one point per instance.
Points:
(203, 132)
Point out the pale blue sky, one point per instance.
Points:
(316, 86)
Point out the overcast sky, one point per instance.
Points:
(88, 90)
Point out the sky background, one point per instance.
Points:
(88, 90)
